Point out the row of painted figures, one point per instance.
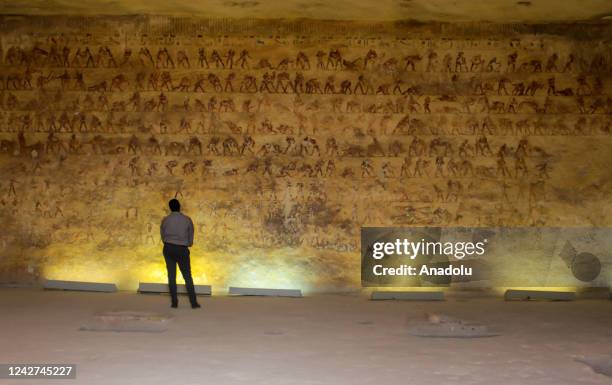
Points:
(331, 59)
(283, 82)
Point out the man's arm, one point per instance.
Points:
(190, 232)
(161, 230)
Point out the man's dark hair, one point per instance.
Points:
(175, 205)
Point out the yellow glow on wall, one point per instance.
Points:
(89, 273)
(273, 275)
(409, 288)
(502, 290)
(146, 264)
(201, 270)
(156, 272)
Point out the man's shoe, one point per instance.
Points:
(195, 305)
(174, 305)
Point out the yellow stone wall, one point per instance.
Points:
(282, 138)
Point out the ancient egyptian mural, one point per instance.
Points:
(282, 138)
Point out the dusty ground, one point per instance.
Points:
(326, 340)
(422, 10)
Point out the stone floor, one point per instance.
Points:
(324, 339)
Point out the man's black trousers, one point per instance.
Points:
(176, 254)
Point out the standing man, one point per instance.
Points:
(177, 235)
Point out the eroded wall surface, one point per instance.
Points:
(281, 139)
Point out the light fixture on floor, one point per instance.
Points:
(408, 295)
(158, 288)
(52, 284)
(594, 293)
(545, 295)
(265, 292)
